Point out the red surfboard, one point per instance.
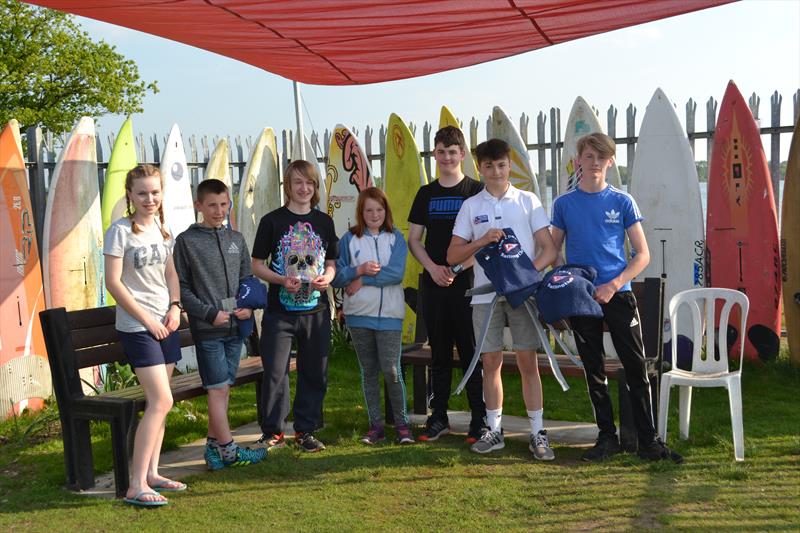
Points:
(742, 246)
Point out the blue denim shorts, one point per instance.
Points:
(142, 349)
(218, 360)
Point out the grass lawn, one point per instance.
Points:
(442, 486)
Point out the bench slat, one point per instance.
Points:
(102, 353)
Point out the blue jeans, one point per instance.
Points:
(218, 360)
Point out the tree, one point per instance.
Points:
(52, 73)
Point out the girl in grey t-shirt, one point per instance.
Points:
(141, 277)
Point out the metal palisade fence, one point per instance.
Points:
(42, 149)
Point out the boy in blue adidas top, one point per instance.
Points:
(480, 222)
(211, 260)
(594, 218)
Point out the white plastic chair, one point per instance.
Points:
(711, 370)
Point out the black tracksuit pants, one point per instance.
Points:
(448, 318)
(313, 334)
(622, 317)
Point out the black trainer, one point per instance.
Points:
(605, 447)
(658, 451)
(434, 428)
(308, 442)
(476, 429)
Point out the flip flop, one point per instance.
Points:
(169, 485)
(139, 502)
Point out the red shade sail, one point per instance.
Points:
(344, 42)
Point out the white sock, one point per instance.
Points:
(494, 418)
(535, 417)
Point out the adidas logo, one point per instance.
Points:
(233, 249)
(634, 322)
(612, 217)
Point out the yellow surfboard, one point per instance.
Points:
(404, 176)
(468, 166)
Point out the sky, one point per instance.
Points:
(756, 43)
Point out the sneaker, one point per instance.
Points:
(604, 447)
(308, 442)
(246, 456)
(272, 442)
(434, 429)
(404, 434)
(374, 435)
(213, 459)
(540, 446)
(658, 451)
(489, 442)
(476, 429)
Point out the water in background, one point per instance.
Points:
(703, 198)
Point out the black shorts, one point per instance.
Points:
(142, 349)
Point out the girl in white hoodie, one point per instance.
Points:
(370, 268)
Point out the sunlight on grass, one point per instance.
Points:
(352, 487)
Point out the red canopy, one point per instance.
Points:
(343, 42)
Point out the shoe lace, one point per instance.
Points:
(540, 439)
(489, 436)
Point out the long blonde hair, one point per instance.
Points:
(139, 172)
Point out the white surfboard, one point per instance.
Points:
(178, 203)
(581, 121)
(522, 175)
(178, 209)
(260, 190)
(666, 188)
(311, 157)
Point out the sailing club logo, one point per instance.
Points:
(480, 219)
(510, 249)
(560, 279)
(612, 217)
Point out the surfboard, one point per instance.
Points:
(260, 191)
(667, 190)
(311, 157)
(24, 372)
(177, 200)
(581, 121)
(468, 166)
(348, 172)
(73, 271)
(742, 245)
(522, 176)
(122, 160)
(405, 174)
(219, 167)
(790, 247)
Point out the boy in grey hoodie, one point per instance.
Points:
(211, 260)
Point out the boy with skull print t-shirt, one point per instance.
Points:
(295, 252)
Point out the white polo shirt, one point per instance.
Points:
(519, 210)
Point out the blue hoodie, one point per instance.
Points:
(379, 304)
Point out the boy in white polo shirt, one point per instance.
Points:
(480, 222)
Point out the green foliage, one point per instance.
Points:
(119, 376)
(22, 429)
(52, 73)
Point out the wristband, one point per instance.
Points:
(176, 303)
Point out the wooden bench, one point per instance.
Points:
(81, 339)
(650, 296)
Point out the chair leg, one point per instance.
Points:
(663, 407)
(83, 454)
(119, 446)
(735, 399)
(685, 410)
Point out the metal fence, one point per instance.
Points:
(42, 149)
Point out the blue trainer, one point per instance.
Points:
(246, 456)
(212, 457)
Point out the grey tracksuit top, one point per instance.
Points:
(210, 263)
